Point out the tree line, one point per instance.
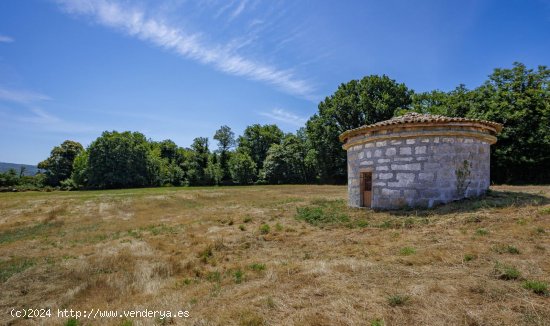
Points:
(517, 97)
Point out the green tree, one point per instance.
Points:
(242, 168)
(80, 169)
(257, 139)
(9, 178)
(356, 103)
(59, 166)
(198, 161)
(213, 172)
(120, 160)
(226, 140)
(456, 103)
(519, 98)
(286, 162)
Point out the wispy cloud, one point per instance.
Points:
(21, 96)
(240, 7)
(5, 39)
(136, 23)
(28, 112)
(285, 116)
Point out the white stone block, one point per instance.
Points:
(385, 176)
(391, 152)
(405, 151)
(420, 150)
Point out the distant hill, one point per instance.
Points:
(29, 169)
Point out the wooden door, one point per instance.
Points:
(366, 188)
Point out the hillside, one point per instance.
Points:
(29, 169)
(275, 255)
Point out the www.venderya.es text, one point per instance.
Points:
(98, 313)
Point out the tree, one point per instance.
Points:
(256, 141)
(456, 103)
(198, 161)
(226, 140)
(519, 98)
(286, 162)
(59, 165)
(80, 169)
(242, 168)
(9, 178)
(213, 173)
(120, 160)
(356, 103)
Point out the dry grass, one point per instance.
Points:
(208, 251)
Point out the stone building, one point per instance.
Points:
(418, 160)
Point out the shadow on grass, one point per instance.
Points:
(493, 199)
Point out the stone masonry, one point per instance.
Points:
(419, 162)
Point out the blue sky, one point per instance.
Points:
(179, 69)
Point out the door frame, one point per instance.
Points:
(362, 187)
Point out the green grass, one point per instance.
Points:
(469, 257)
(71, 322)
(239, 276)
(377, 322)
(29, 232)
(14, 266)
(264, 229)
(506, 272)
(407, 251)
(398, 300)
(538, 287)
(481, 232)
(503, 249)
(323, 212)
(257, 267)
(214, 276)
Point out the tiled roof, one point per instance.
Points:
(417, 118)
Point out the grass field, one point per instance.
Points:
(275, 255)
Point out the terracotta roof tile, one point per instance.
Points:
(417, 118)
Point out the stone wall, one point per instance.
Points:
(423, 171)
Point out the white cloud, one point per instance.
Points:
(21, 96)
(238, 10)
(285, 116)
(6, 39)
(135, 22)
(32, 114)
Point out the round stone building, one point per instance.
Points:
(418, 160)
